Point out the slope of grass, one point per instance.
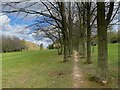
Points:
(35, 69)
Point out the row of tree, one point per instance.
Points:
(12, 44)
(73, 25)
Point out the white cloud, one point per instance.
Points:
(45, 44)
(19, 31)
(4, 20)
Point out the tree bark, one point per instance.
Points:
(84, 33)
(82, 29)
(88, 35)
(102, 24)
(64, 30)
(70, 27)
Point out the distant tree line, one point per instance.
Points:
(12, 44)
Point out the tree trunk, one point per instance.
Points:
(61, 46)
(102, 41)
(64, 30)
(61, 49)
(88, 35)
(84, 31)
(81, 47)
(93, 48)
(65, 52)
(70, 30)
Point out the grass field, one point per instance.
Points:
(36, 69)
(42, 69)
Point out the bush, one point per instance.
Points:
(114, 39)
(51, 46)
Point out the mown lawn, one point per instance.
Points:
(35, 69)
(43, 69)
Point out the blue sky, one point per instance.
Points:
(15, 26)
(20, 21)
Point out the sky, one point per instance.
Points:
(15, 26)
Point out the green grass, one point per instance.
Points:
(112, 59)
(42, 69)
(113, 65)
(35, 69)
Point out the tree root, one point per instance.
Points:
(98, 80)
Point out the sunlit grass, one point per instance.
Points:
(37, 69)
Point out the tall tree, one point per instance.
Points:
(64, 30)
(82, 28)
(88, 33)
(70, 28)
(102, 24)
